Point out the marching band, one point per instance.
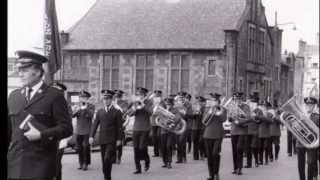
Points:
(255, 130)
(175, 124)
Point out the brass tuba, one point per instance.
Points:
(299, 124)
(168, 120)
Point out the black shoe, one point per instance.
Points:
(247, 166)
(81, 167)
(210, 178)
(216, 177)
(169, 166)
(164, 166)
(137, 172)
(239, 172)
(290, 154)
(85, 167)
(234, 172)
(147, 167)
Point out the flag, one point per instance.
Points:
(52, 46)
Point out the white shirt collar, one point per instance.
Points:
(35, 88)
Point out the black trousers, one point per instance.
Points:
(59, 164)
(189, 139)
(312, 163)
(108, 154)
(264, 150)
(275, 145)
(140, 147)
(202, 148)
(167, 141)
(291, 143)
(196, 135)
(213, 149)
(83, 149)
(238, 145)
(156, 140)
(181, 143)
(249, 149)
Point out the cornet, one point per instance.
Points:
(299, 124)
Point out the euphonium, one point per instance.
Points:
(299, 124)
(212, 111)
(168, 120)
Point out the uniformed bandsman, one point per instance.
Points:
(181, 139)
(275, 133)
(312, 171)
(238, 135)
(38, 119)
(197, 126)
(213, 135)
(141, 128)
(64, 142)
(167, 137)
(155, 131)
(121, 105)
(110, 120)
(189, 120)
(264, 133)
(84, 120)
(252, 141)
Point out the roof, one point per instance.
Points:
(156, 24)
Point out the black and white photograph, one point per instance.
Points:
(163, 90)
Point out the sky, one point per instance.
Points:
(25, 20)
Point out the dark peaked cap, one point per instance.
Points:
(60, 86)
(107, 93)
(142, 90)
(84, 93)
(28, 58)
(310, 100)
(200, 98)
(169, 100)
(238, 94)
(215, 95)
(118, 93)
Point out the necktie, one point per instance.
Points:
(29, 93)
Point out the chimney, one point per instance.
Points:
(64, 38)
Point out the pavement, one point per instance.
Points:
(283, 169)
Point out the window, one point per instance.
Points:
(180, 71)
(111, 71)
(314, 65)
(251, 43)
(144, 71)
(212, 67)
(77, 61)
(261, 46)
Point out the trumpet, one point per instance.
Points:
(139, 104)
(212, 111)
(298, 123)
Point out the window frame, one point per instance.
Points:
(262, 45)
(252, 28)
(180, 69)
(145, 68)
(110, 68)
(214, 59)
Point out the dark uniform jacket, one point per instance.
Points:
(188, 118)
(253, 125)
(84, 120)
(36, 159)
(264, 126)
(110, 125)
(241, 128)
(275, 127)
(142, 120)
(214, 129)
(197, 120)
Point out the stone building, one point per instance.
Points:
(287, 69)
(310, 54)
(13, 76)
(198, 46)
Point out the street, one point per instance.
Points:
(283, 169)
